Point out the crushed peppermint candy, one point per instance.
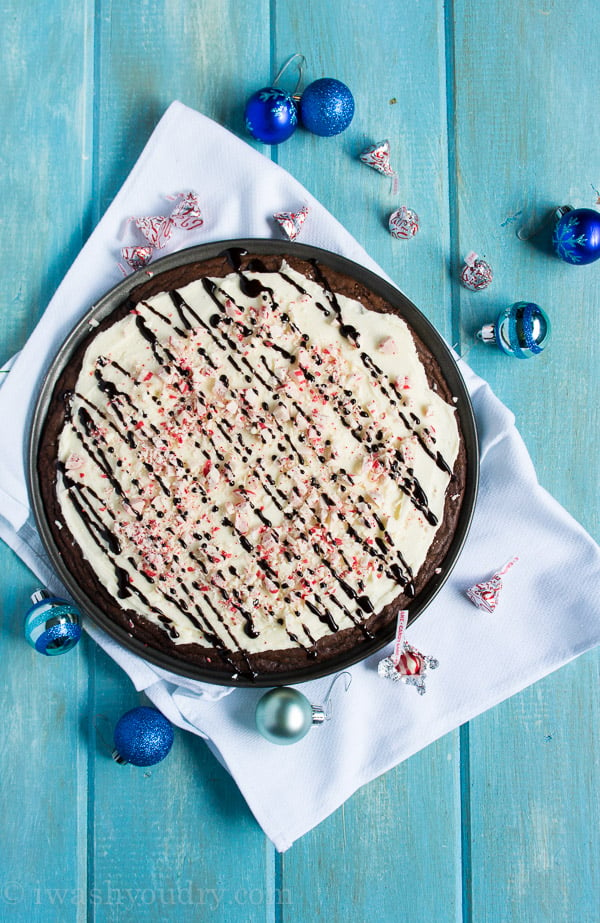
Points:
(275, 498)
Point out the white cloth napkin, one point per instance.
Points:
(549, 610)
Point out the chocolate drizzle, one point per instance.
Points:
(259, 375)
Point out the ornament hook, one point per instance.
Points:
(526, 232)
(327, 707)
(301, 64)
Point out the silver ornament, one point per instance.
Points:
(284, 715)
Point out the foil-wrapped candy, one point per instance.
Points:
(486, 595)
(476, 274)
(403, 223)
(377, 156)
(137, 257)
(158, 229)
(409, 667)
(291, 222)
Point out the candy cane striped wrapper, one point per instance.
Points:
(291, 222)
(486, 595)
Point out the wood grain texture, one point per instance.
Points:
(521, 144)
(45, 180)
(489, 109)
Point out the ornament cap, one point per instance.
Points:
(562, 210)
(318, 714)
(118, 758)
(39, 595)
(487, 333)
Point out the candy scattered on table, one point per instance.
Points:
(52, 625)
(486, 595)
(158, 229)
(522, 330)
(143, 737)
(291, 222)
(137, 257)
(403, 223)
(377, 156)
(407, 665)
(476, 274)
(186, 214)
(326, 107)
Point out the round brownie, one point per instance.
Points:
(252, 464)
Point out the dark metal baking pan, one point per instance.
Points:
(424, 329)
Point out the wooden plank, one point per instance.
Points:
(45, 182)
(175, 840)
(178, 838)
(396, 839)
(45, 156)
(534, 796)
(522, 143)
(43, 767)
(400, 835)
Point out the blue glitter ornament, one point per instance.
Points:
(271, 115)
(142, 737)
(522, 331)
(576, 236)
(52, 625)
(326, 107)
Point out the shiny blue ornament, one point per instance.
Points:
(576, 236)
(271, 115)
(326, 107)
(52, 625)
(142, 737)
(522, 331)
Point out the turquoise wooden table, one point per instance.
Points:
(491, 110)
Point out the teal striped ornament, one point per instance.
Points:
(52, 625)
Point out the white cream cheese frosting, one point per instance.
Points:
(253, 462)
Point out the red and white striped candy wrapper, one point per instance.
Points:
(137, 257)
(157, 229)
(410, 663)
(403, 223)
(377, 156)
(187, 214)
(407, 664)
(476, 274)
(399, 642)
(486, 595)
(291, 222)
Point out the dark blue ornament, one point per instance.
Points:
(271, 115)
(576, 236)
(52, 625)
(326, 107)
(142, 737)
(522, 331)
